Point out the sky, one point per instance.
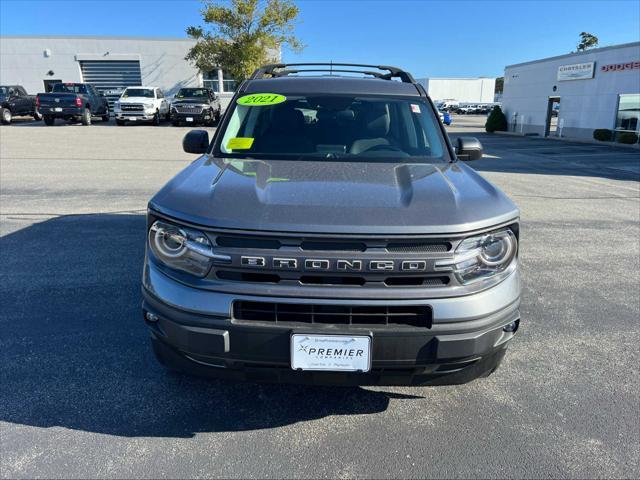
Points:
(428, 38)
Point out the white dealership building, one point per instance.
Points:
(109, 63)
(460, 90)
(572, 95)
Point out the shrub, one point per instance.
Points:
(627, 137)
(603, 134)
(496, 122)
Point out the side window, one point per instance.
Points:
(22, 91)
(159, 93)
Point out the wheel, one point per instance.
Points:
(5, 116)
(156, 119)
(175, 122)
(119, 122)
(217, 121)
(37, 116)
(212, 119)
(167, 117)
(106, 116)
(49, 120)
(86, 117)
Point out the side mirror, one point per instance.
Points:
(196, 141)
(469, 148)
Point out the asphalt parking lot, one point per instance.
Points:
(82, 396)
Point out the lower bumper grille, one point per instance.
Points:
(402, 315)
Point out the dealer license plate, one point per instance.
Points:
(338, 353)
(189, 119)
(133, 119)
(57, 109)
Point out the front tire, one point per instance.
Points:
(49, 120)
(86, 117)
(119, 122)
(156, 119)
(5, 116)
(106, 116)
(212, 119)
(175, 122)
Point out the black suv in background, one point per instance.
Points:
(14, 102)
(195, 105)
(330, 233)
(72, 102)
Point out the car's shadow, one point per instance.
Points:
(74, 351)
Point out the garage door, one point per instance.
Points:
(111, 77)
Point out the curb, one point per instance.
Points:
(574, 140)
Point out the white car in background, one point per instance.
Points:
(141, 104)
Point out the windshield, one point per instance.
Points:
(3, 90)
(138, 92)
(333, 126)
(193, 92)
(69, 88)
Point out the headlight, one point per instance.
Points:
(481, 257)
(148, 106)
(182, 248)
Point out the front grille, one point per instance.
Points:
(333, 245)
(419, 247)
(346, 263)
(334, 280)
(285, 313)
(194, 109)
(132, 107)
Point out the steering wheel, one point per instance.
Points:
(383, 147)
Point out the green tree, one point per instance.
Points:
(587, 41)
(496, 121)
(499, 85)
(241, 36)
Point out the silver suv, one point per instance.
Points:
(330, 233)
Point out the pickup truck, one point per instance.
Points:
(72, 102)
(14, 101)
(195, 105)
(141, 104)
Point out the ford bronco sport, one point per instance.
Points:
(330, 233)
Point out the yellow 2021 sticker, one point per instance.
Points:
(261, 99)
(239, 143)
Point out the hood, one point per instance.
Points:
(190, 100)
(333, 197)
(136, 100)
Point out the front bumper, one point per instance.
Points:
(194, 332)
(135, 115)
(202, 117)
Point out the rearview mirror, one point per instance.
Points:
(196, 141)
(468, 148)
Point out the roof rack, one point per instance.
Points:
(282, 70)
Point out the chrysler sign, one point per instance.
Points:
(577, 71)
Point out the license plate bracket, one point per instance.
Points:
(331, 353)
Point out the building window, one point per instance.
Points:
(229, 85)
(628, 115)
(218, 82)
